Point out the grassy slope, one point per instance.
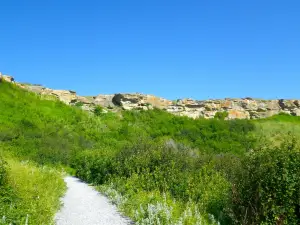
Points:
(156, 166)
(50, 132)
(42, 130)
(39, 130)
(31, 193)
(276, 128)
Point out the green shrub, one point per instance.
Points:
(94, 166)
(3, 173)
(151, 166)
(266, 190)
(79, 104)
(221, 115)
(217, 136)
(98, 111)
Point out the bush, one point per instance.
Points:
(3, 173)
(211, 136)
(98, 111)
(94, 166)
(267, 188)
(79, 104)
(221, 115)
(151, 166)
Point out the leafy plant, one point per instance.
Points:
(3, 173)
(98, 111)
(266, 190)
(221, 115)
(79, 104)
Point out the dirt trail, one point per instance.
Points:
(82, 205)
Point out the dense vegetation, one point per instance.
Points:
(160, 168)
(29, 193)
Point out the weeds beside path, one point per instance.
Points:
(31, 193)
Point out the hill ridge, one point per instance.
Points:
(234, 108)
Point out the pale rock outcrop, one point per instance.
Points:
(139, 101)
(238, 114)
(236, 108)
(6, 78)
(104, 100)
(83, 100)
(127, 101)
(296, 112)
(67, 97)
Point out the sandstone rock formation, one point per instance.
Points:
(139, 101)
(104, 101)
(241, 108)
(6, 78)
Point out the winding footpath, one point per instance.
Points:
(82, 205)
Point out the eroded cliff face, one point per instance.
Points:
(244, 108)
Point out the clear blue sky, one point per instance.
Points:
(174, 49)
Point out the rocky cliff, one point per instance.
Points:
(244, 108)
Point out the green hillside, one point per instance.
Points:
(158, 168)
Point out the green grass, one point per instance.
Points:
(276, 129)
(31, 193)
(43, 130)
(283, 117)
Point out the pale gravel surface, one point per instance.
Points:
(82, 205)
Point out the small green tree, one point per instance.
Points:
(221, 115)
(98, 111)
(79, 104)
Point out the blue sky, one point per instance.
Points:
(174, 49)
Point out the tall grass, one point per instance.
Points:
(274, 130)
(31, 193)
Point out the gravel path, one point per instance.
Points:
(82, 205)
